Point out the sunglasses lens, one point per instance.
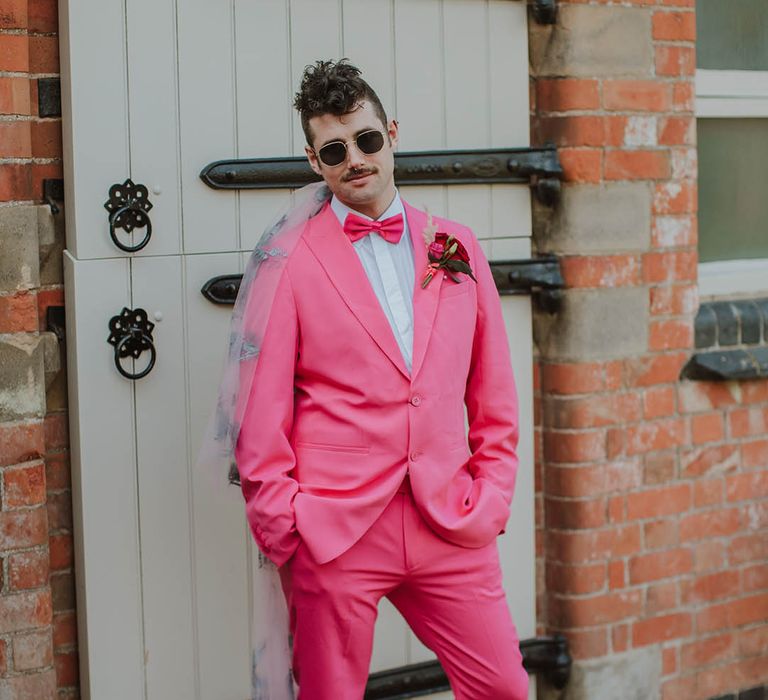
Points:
(333, 153)
(370, 142)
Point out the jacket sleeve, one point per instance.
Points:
(264, 456)
(491, 395)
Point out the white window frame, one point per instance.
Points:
(732, 93)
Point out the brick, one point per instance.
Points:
(683, 96)
(16, 137)
(33, 650)
(748, 548)
(607, 218)
(670, 266)
(576, 130)
(702, 589)
(584, 446)
(3, 657)
(67, 673)
(648, 370)
(705, 396)
(574, 514)
(603, 271)
(753, 642)
(35, 686)
(14, 53)
(617, 575)
(659, 467)
(27, 610)
(677, 299)
(684, 162)
(589, 643)
(655, 435)
(23, 528)
(744, 611)
(658, 402)
(619, 637)
(592, 40)
(670, 335)
(652, 503)
(56, 431)
(661, 533)
(661, 628)
(708, 461)
(616, 509)
(669, 663)
(660, 565)
(24, 486)
(708, 555)
(675, 60)
(46, 138)
(575, 580)
(661, 597)
(584, 546)
(707, 493)
(749, 486)
(57, 471)
(15, 96)
(43, 16)
(13, 14)
(16, 183)
(680, 687)
(43, 54)
(595, 610)
(59, 511)
(581, 164)
(707, 427)
(674, 26)
(564, 94)
(636, 95)
(21, 442)
(703, 652)
(63, 591)
(28, 569)
(64, 629)
(592, 411)
(755, 391)
(574, 482)
(677, 131)
(675, 198)
(636, 165)
(749, 421)
(18, 313)
(673, 231)
(62, 551)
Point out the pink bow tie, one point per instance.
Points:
(389, 229)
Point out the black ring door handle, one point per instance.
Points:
(131, 334)
(128, 205)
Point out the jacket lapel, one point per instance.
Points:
(337, 256)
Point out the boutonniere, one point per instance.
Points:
(444, 251)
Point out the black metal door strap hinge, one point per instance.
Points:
(128, 205)
(540, 277)
(545, 656)
(539, 167)
(731, 339)
(131, 334)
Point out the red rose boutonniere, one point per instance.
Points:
(444, 251)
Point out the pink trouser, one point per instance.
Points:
(451, 597)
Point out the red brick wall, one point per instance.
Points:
(652, 515)
(38, 657)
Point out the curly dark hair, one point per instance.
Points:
(333, 88)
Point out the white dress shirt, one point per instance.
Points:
(390, 270)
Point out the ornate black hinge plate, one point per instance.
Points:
(540, 277)
(539, 167)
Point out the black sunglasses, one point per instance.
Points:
(335, 152)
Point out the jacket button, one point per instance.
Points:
(416, 400)
(414, 456)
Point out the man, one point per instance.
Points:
(356, 472)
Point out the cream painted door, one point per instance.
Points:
(164, 557)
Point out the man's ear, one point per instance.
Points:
(312, 158)
(392, 131)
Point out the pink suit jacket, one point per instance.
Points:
(334, 420)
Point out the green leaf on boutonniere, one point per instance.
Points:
(460, 266)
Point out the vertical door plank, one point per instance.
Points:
(154, 119)
(220, 537)
(164, 486)
(419, 73)
(94, 97)
(104, 496)
(207, 118)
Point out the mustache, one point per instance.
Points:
(356, 172)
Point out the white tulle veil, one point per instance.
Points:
(271, 653)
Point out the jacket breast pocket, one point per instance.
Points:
(454, 289)
(351, 449)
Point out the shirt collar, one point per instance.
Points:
(341, 210)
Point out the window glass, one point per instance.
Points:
(732, 34)
(733, 188)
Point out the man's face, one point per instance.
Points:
(364, 182)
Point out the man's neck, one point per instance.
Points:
(341, 209)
